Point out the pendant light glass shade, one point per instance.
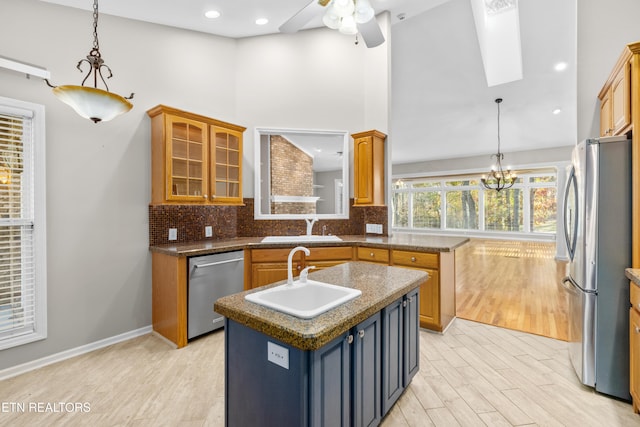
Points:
(92, 103)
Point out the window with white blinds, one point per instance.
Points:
(22, 285)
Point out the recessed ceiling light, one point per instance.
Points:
(557, 111)
(212, 14)
(560, 66)
(261, 21)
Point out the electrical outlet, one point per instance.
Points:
(173, 234)
(374, 228)
(208, 231)
(278, 354)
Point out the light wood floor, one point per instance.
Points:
(473, 375)
(512, 284)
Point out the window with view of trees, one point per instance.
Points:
(22, 224)
(440, 203)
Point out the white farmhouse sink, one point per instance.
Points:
(300, 239)
(304, 300)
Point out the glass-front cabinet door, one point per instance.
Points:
(226, 165)
(194, 159)
(186, 159)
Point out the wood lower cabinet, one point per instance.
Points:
(266, 266)
(372, 255)
(169, 297)
(634, 346)
(438, 293)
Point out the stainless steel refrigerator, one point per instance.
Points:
(597, 224)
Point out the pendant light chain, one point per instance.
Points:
(498, 101)
(497, 179)
(96, 45)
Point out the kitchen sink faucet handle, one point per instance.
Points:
(305, 273)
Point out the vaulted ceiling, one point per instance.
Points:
(442, 106)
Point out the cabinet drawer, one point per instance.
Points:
(332, 253)
(415, 259)
(273, 255)
(635, 296)
(373, 254)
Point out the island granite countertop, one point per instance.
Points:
(401, 241)
(380, 286)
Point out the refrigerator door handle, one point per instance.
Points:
(569, 285)
(570, 221)
(573, 287)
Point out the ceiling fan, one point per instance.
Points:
(347, 16)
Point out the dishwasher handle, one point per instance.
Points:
(211, 264)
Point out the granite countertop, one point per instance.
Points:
(401, 241)
(380, 286)
(633, 274)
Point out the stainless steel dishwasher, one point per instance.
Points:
(212, 277)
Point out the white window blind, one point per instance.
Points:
(21, 299)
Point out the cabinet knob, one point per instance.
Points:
(299, 267)
(413, 259)
(350, 339)
(404, 303)
(361, 333)
(637, 329)
(371, 255)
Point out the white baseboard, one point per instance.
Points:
(67, 354)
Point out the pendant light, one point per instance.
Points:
(497, 179)
(89, 102)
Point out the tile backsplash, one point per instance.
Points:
(237, 221)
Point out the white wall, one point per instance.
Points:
(314, 79)
(604, 28)
(98, 175)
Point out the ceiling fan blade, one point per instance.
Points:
(371, 33)
(306, 14)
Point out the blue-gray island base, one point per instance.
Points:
(346, 367)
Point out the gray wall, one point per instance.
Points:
(98, 175)
(604, 28)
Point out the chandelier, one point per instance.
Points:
(497, 179)
(345, 15)
(92, 102)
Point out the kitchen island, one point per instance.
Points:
(349, 364)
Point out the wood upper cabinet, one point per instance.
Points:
(615, 100)
(194, 159)
(368, 168)
(226, 158)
